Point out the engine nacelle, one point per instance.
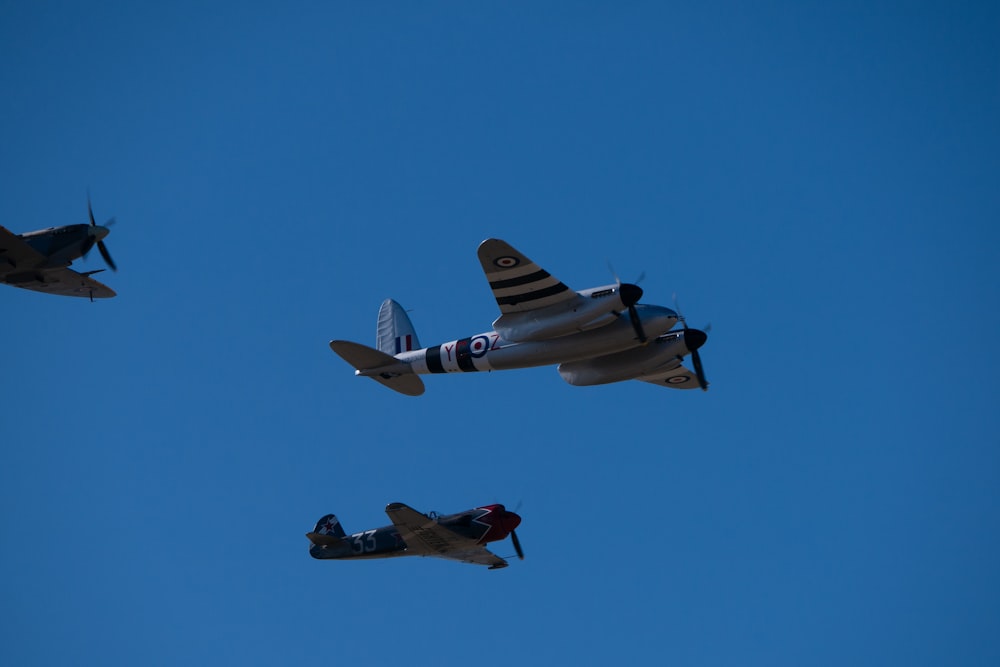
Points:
(663, 354)
(591, 309)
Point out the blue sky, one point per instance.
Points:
(819, 182)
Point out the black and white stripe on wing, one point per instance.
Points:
(519, 284)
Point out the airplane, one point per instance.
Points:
(596, 336)
(454, 536)
(40, 260)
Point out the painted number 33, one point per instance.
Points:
(364, 542)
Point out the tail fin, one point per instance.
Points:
(328, 532)
(395, 332)
(329, 525)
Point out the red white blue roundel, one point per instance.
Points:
(677, 379)
(479, 346)
(506, 262)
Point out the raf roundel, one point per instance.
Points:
(479, 346)
(677, 379)
(506, 262)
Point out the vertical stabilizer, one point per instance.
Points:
(395, 331)
(329, 525)
(328, 539)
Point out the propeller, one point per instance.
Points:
(512, 520)
(517, 545)
(694, 339)
(630, 293)
(96, 237)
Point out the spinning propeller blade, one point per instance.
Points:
(107, 256)
(630, 294)
(699, 371)
(94, 238)
(694, 339)
(517, 545)
(636, 324)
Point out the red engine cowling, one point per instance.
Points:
(500, 521)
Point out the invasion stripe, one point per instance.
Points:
(463, 353)
(532, 296)
(541, 274)
(433, 359)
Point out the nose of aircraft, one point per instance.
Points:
(656, 320)
(502, 521)
(510, 521)
(694, 338)
(99, 232)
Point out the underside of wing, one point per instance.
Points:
(476, 556)
(424, 536)
(519, 285)
(677, 378)
(379, 366)
(61, 281)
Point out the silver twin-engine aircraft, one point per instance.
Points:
(40, 260)
(596, 336)
(454, 536)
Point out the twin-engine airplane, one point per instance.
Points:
(40, 260)
(597, 336)
(455, 536)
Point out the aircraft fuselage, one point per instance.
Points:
(59, 245)
(489, 351)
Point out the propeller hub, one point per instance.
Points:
(98, 232)
(694, 338)
(629, 293)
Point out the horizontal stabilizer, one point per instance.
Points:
(361, 356)
(379, 366)
(321, 540)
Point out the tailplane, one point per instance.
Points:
(395, 335)
(379, 366)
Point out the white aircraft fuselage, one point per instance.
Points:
(490, 352)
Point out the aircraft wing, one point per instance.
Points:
(426, 537)
(15, 253)
(477, 556)
(62, 281)
(675, 378)
(519, 285)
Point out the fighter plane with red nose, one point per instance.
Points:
(596, 336)
(458, 537)
(40, 260)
